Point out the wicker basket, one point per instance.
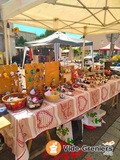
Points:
(17, 104)
(53, 98)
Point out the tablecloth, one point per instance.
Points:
(27, 124)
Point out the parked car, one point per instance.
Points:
(88, 58)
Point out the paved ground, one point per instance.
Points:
(112, 134)
(108, 132)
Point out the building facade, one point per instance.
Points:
(27, 35)
(100, 41)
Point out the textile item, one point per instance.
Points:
(3, 111)
(71, 132)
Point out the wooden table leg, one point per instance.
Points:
(29, 144)
(114, 103)
(48, 137)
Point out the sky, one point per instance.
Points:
(39, 31)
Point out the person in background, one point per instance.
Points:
(51, 55)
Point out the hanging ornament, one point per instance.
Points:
(41, 78)
(26, 72)
(30, 79)
(16, 82)
(5, 75)
(53, 79)
(16, 30)
(12, 74)
(32, 92)
(32, 71)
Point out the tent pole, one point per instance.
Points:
(110, 53)
(6, 43)
(56, 50)
(8, 34)
(24, 55)
(91, 47)
(83, 52)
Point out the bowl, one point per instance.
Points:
(53, 97)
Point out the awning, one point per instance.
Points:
(59, 37)
(107, 48)
(83, 17)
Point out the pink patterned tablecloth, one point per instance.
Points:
(26, 124)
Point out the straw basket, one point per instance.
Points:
(52, 98)
(17, 104)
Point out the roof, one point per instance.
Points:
(59, 37)
(107, 48)
(83, 17)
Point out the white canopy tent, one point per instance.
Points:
(56, 39)
(59, 37)
(75, 16)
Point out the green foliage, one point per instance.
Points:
(77, 51)
(91, 114)
(47, 33)
(63, 131)
(101, 61)
(20, 41)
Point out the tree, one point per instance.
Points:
(46, 34)
(20, 41)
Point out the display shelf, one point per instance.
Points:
(66, 73)
(9, 81)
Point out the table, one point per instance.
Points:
(27, 124)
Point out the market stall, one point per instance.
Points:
(91, 21)
(57, 39)
(107, 48)
(62, 102)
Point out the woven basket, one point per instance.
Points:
(53, 98)
(17, 104)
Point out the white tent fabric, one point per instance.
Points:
(107, 48)
(24, 54)
(74, 16)
(56, 50)
(59, 37)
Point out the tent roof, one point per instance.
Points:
(59, 37)
(75, 16)
(107, 48)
